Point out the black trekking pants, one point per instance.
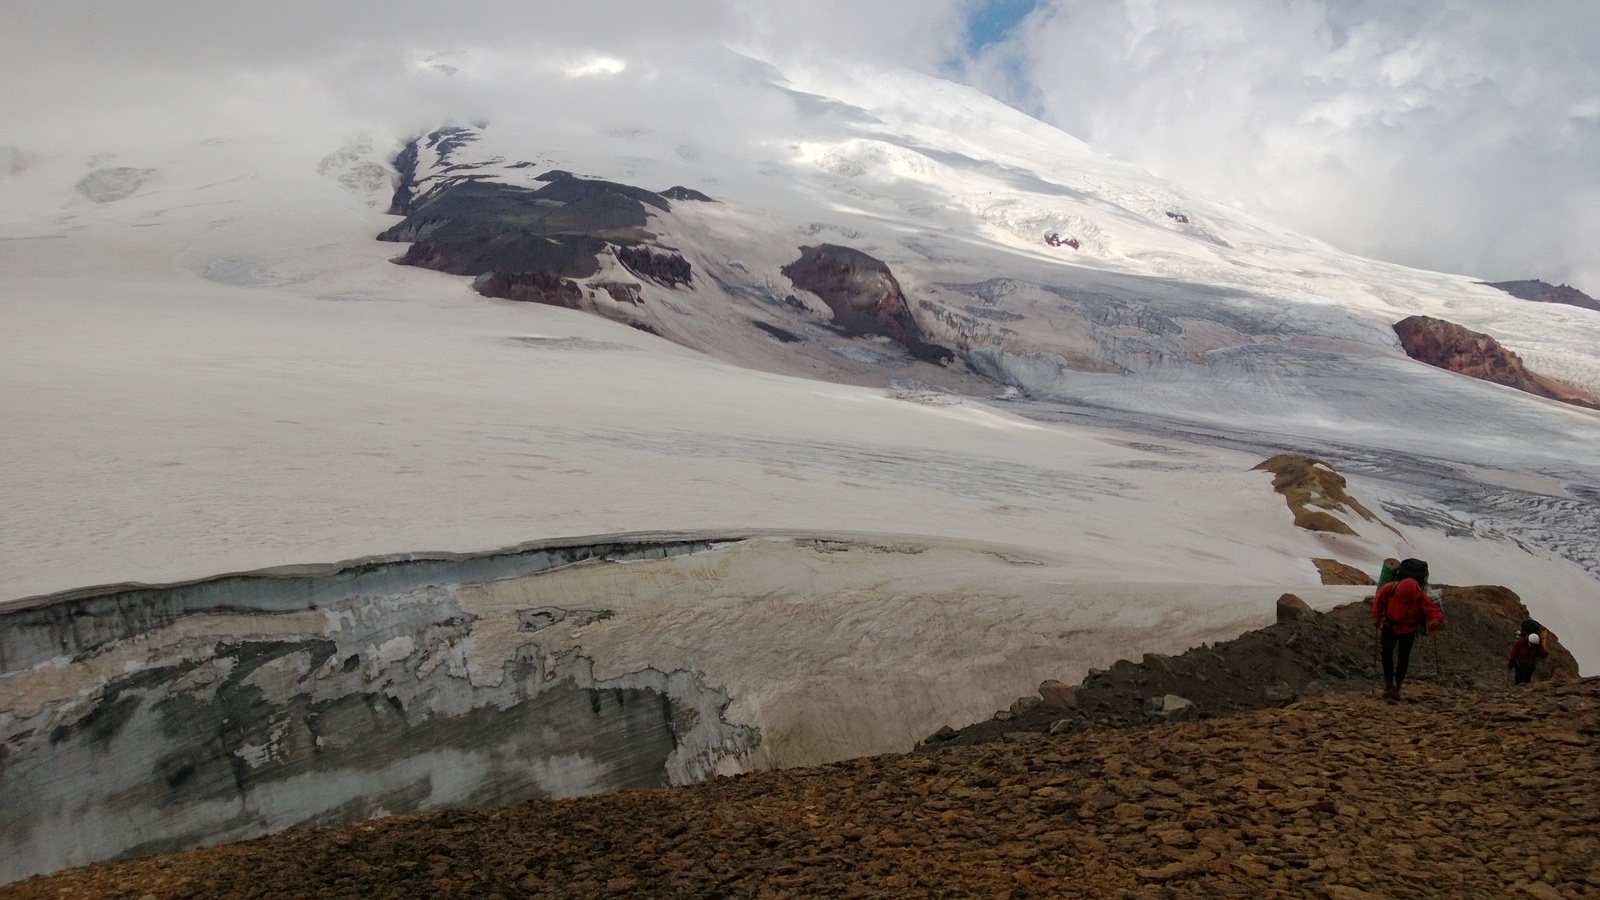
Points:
(1524, 673)
(1391, 671)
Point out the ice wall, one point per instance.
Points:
(199, 738)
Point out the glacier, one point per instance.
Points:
(217, 384)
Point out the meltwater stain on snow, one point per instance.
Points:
(108, 185)
(242, 273)
(570, 343)
(351, 297)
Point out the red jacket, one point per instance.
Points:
(1404, 606)
(1526, 654)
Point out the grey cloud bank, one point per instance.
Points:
(1457, 136)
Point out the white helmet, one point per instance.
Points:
(1534, 639)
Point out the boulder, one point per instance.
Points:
(1280, 693)
(1170, 708)
(1293, 609)
(1058, 695)
(1024, 705)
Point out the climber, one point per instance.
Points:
(1527, 651)
(1385, 575)
(1400, 610)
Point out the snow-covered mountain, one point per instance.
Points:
(858, 421)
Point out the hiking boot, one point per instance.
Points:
(1391, 693)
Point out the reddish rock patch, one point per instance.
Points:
(864, 296)
(1461, 350)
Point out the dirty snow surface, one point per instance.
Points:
(208, 365)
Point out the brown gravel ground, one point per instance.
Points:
(1455, 793)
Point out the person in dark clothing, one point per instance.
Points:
(1525, 654)
(1400, 610)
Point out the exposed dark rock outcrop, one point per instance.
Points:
(1543, 292)
(864, 296)
(405, 166)
(476, 210)
(530, 243)
(565, 255)
(1457, 349)
(620, 291)
(531, 287)
(444, 142)
(782, 334)
(679, 192)
(665, 269)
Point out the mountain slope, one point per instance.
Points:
(289, 462)
(1460, 794)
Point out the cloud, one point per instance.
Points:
(1453, 135)
(1461, 136)
(101, 74)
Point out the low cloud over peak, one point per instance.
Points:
(1456, 136)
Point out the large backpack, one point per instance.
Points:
(1529, 626)
(1412, 568)
(1400, 611)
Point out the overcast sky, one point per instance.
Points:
(1461, 135)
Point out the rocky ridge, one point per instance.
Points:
(1304, 654)
(1342, 797)
(1544, 292)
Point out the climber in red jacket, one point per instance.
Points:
(1525, 654)
(1401, 609)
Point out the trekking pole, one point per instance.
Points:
(1433, 638)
